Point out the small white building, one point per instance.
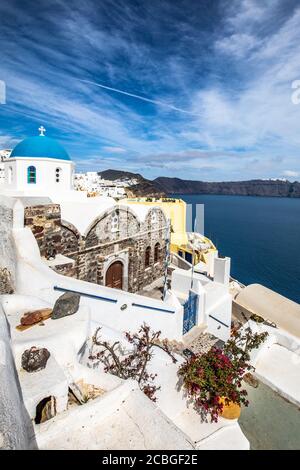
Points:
(207, 303)
(91, 182)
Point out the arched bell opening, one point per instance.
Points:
(45, 409)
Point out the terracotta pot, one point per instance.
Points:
(230, 411)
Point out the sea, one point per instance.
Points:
(260, 234)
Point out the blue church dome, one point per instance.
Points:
(40, 146)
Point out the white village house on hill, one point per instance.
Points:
(55, 239)
(93, 183)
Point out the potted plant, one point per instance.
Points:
(213, 381)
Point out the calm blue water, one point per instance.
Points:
(261, 235)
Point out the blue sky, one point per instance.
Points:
(218, 75)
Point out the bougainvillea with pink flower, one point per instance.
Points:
(131, 363)
(215, 378)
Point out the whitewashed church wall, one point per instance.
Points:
(45, 174)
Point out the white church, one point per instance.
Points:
(39, 166)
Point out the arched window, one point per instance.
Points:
(156, 252)
(153, 217)
(57, 174)
(115, 221)
(147, 256)
(31, 175)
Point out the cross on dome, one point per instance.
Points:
(42, 130)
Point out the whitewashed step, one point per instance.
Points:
(279, 368)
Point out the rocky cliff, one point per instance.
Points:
(272, 188)
(163, 185)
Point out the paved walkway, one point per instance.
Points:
(270, 422)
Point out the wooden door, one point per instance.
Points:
(114, 275)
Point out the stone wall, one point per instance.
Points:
(67, 269)
(115, 235)
(70, 238)
(45, 223)
(7, 251)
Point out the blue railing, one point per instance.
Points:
(153, 308)
(85, 294)
(108, 299)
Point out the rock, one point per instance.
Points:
(35, 359)
(30, 318)
(66, 304)
(6, 283)
(251, 380)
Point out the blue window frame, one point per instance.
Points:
(31, 175)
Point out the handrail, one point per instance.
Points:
(107, 299)
(153, 308)
(85, 294)
(219, 321)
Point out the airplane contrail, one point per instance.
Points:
(143, 98)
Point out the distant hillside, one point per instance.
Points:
(163, 185)
(272, 188)
(143, 188)
(113, 175)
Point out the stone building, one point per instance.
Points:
(118, 249)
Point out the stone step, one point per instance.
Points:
(199, 340)
(191, 335)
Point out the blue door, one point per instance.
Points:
(188, 257)
(190, 312)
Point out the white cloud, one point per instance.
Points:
(114, 149)
(7, 141)
(241, 97)
(239, 44)
(291, 173)
(256, 116)
(245, 14)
